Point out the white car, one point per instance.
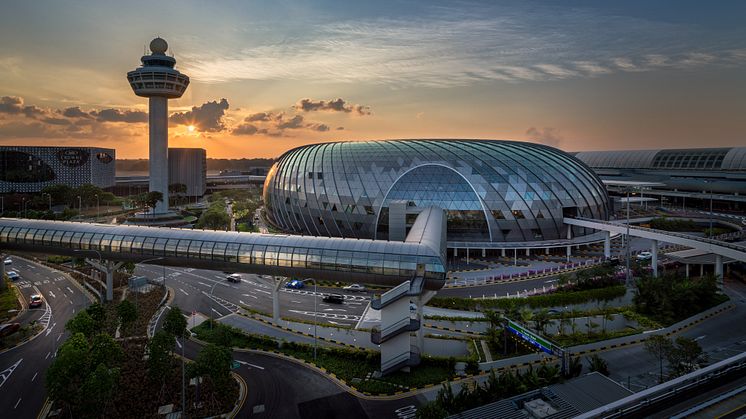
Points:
(13, 275)
(644, 256)
(234, 278)
(8, 261)
(354, 287)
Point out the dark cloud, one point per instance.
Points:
(340, 128)
(549, 136)
(14, 105)
(245, 129)
(207, 118)
(17, 129)
(260, 116)
(293, 123)
(334, 105)
(75, 112)
(321, 127)
(56, 121)
(117, 115)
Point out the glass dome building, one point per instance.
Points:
(495, 193)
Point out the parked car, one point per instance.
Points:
(644, 256)
(234, 278)
(8, 329)
(8, 261)
(412, 307)
(13, 275)
(354, 287)
(35, 301)
(295, 284)
(333, 298)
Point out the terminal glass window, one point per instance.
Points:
(299, 257)
(257, 254)
(270, 256)
(147, 246)
(183, 248)
(231, 252)
(244, 254)
(126, 245)
(205, 251)
(218, 252)
(171, 247)
(194, 247)
(313, 259)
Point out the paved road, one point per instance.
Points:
(22, 391)
(192, 289)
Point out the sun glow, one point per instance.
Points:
(191, 128)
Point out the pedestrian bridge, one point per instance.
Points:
(329, 258)
(730, 250)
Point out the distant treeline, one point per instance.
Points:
(141, 165)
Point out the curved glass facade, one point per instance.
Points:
(492, 191)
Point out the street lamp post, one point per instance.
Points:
(97, 208)
(628, 275)
(163, 265)
(2, 205)
(710, 231)
(80, 208)
(315, 333)
(100, 259)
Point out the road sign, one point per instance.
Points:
(532, 338)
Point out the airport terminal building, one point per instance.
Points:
(497, 194)
(679, 177)
(27, 169)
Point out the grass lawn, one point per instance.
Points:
(351, 365)
(8, 301)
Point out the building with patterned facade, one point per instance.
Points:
(30, 169)
(188, 166)
(497, 194)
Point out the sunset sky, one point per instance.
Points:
(267, 76)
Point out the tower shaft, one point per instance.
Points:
(158, 119)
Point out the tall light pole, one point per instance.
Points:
(100, 259)
(315, 333)
(80, 208)
(164, 268)
(2, 205)
(628, 274)
(183, 377)
(97, 208)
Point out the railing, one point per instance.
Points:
(409, 358)
(407, 324)
(669, 233)
(394, 294)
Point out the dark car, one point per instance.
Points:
(333, 298)
(8, 329)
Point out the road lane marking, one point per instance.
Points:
(51, 294)
(34, 377)
(49, 330)
(71, 291)
(19, 401)
(250, 365)
(4, 375)
(47, 357)
(185, 293)
(203, 284)
(58, 337)
(177, 342)
(216, 311)
(242, 303)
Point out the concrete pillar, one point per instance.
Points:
(686, 265)
(502, 252)
(158, 120)
(484, 253)
(107, 267)
(654, 259)
(423, 299)
(528, 252)
(276, 300)
(569, 252)
(546, 251)
(719, 270)
(455, 252)
(467, 255)
(702, 269)
(515, 257)
(607, 244)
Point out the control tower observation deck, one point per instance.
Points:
(157, 80)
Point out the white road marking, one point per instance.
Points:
(295, 301)
(47, 357)
(203, 284)
(700, 337)
(4, 375)
(50, 329)
(34, 377)
(266, 292)
(71, 291)
(216, 311)
(19, 401)
(51, 294)
(242, 303)
(250, 365)
(58, 337)
(177, 342)
(185, 293)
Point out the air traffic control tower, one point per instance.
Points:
(158, 81)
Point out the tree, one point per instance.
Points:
(175, 323)
(60, 193)
(659, 347)
(152, 198)
(541, 320)
(575, 368)
(127, 313)
(214, 361)
(685, 356)
(598, 364)
(98, 314)
(69, 370)
(82, 323)
(105, 350)
(98, 389)
(159, 356)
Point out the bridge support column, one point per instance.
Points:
(484, 253)
(546, 251)
(108, 267)
(455, 252)
(421, 301)
(528, 252)
(654, 259)
(276, 300)
(607, 244)
(702, 269)
(569, 252)
(686, 265)
(719, 270)
(502, 252)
